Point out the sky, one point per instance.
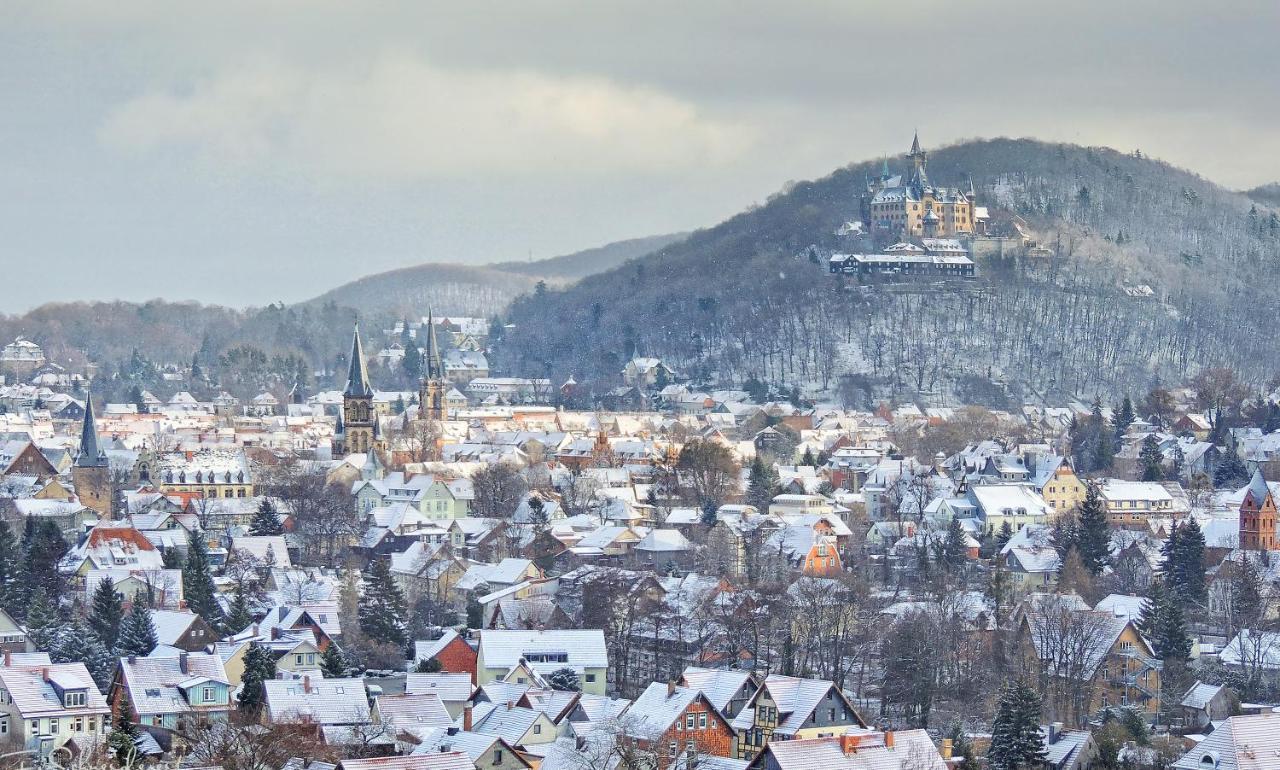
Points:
(249, 152)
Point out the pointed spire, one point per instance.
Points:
(357, 374)
(435, 369)
(915, 144)
(91, 454)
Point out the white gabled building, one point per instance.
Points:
(542, 652)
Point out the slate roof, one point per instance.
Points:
(1240, 743)
(450, 687)
(509, 723)
(417, 715)
(452, 760)
(34, 695)
(717, 684)
(327, 702)
(796, 699)
(153, 683)
(1200, 695)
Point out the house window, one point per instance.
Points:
(537, 729)
(497, 756)
(77, 725)
(689, 721)
(702, 720)
(4, 725)
(35, 727)
(93, 724)
(297, 659)
(74, 699)
(53, 726)
(591, 677)
(207, 694)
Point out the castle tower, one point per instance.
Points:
(91, 474)
(1258, 516)
(919, 159)
(431, 391)
(358, 421)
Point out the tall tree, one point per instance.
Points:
(1231, 472)
(382, 606)
(12, 585)
(44, 623)
(239, 613)
(1015, 734)
(197, 583)
(43, 548)
(332, 662)
(80, 644)
(1124, 417)
(1093, 533)
(137, 632)
(265, 521)
(955, 549)
(1151, 459)
(259, 667)
(107, 612)
(762, 484)
(120, 742)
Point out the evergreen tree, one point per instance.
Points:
(1176, 464)
(1191, 563)
(1247, 587)
(173, 558)
(709, 514)
(808, 459)
(1231, 472)
(43, 548)
(1123, 419)
(239, 614)
(120, 742)
(1015, 734)
(412, 361)
(197, 583)
(107, 612)
(1005, 534)
(265, 520)
(564, 679)
(382, 606)
(1151, 459)
(1171, 640)
(1093, 533)
(762, 484)
(332, 662)
(78, 643)
(955, 550)
(259, 667)
(137, 632)
(43, 622)
(12, 585)
(1153, 609)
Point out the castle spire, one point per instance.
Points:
(357, 373)
(91, 454)
(435, 369)
(915, 145)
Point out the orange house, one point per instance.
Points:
(668, 721)
(1258, 516)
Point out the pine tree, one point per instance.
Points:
(197, 584)
(265, 521)
(123, 734)
(1015, 733)
(1005, 534)
(1123, 419)
(43, 548)
(1153, 609)
(1171, 640)
(332, 662)
(107, 612)
(955, 550)
(1191, 563)
(173, 558)
(259, 667)
(77, 643)
(382, 606)
(564, 679)
(1231, 472)
(962, 748)
(137, 632)
(239, 614)
(44, 624)
(762, 484)
(1093, 533)
(1151, 459)
(12, 587)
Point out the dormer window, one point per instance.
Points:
(74, 698)
(206, 694)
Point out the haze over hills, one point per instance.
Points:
(1267, 194)
(742, 298)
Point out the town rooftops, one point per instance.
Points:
(544, 651)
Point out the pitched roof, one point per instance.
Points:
(156, 684)
(34, 689)
(445, 760)
(414, 714)
(1239, 743)
(657, 708)
(584, 648)
(718, 685)
(357, 372)
(322, 701)
(796, 699)
(451, 688)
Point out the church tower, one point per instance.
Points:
(431, 392)
(91, 474)
(1258, 516)
(359, 423)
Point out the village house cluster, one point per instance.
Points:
(478, 579)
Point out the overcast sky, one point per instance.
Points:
(246, 152)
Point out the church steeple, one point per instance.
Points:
(435, 369)
(91, 454)
(357, 372)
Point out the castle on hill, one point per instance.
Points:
(895, 210)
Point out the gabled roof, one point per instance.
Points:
(321, 701)
(1239, 743)
(153, 683)
(452, 688)
(445, 760)
(796, 699)
(417, 715)
(585, 648)
(657, 708)
(34, 689)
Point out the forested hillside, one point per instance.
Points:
(747, 298)
(572, 267)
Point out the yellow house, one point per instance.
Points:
(582, 650)
(1061, 487)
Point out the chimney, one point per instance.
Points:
(306, 683)
(510, 705)
(888, 739)
(8, 658)
(671, 687)
(946, 749)
(132, 659)
(44, 673)
(466, 716)
(1055, 732)
(183, 663)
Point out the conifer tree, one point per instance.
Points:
(1153, 609)
(259, 667)
(107, 612)
(239, 614)
(382, 606)
(137, 632)
(197, 584)
(77, 643)
(1171, 640)
(762, 484)
(1015, 734)
(955, 550)
(1151, 459)
(265, 520)
(120, 742)
(1123, 419)
(1093, 533)
(1231, 472)
(962, 748)
(173, 558)
(12, 589)
(42, 549)
(1191, 563)
(44, 624)
(332, 662)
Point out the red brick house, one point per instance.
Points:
(669, 721)
(453, 653)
